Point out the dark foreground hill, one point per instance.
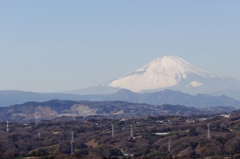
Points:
(8, 98)
(151, 137)
(112, 109)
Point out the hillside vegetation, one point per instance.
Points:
(32, 111)
(152, 137)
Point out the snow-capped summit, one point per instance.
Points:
(163, 72)
(167, 72)
(173, 65)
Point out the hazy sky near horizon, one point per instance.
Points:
(51, 46)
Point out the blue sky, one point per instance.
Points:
(50, 46)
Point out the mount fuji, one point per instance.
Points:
(167, 72)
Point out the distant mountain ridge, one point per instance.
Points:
(8, 98)
(167, 72)
(168, 97)
(11, 97)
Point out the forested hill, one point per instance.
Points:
(150, 138)
(57, 108)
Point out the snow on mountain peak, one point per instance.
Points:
(160, 73)
(174, 66)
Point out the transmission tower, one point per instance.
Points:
(208, 135)
(126, 152)
(112, 130)
(7, 127)
(169, 145)
(39, 134)
(131, 130)
(72, 142)
(37, 120)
